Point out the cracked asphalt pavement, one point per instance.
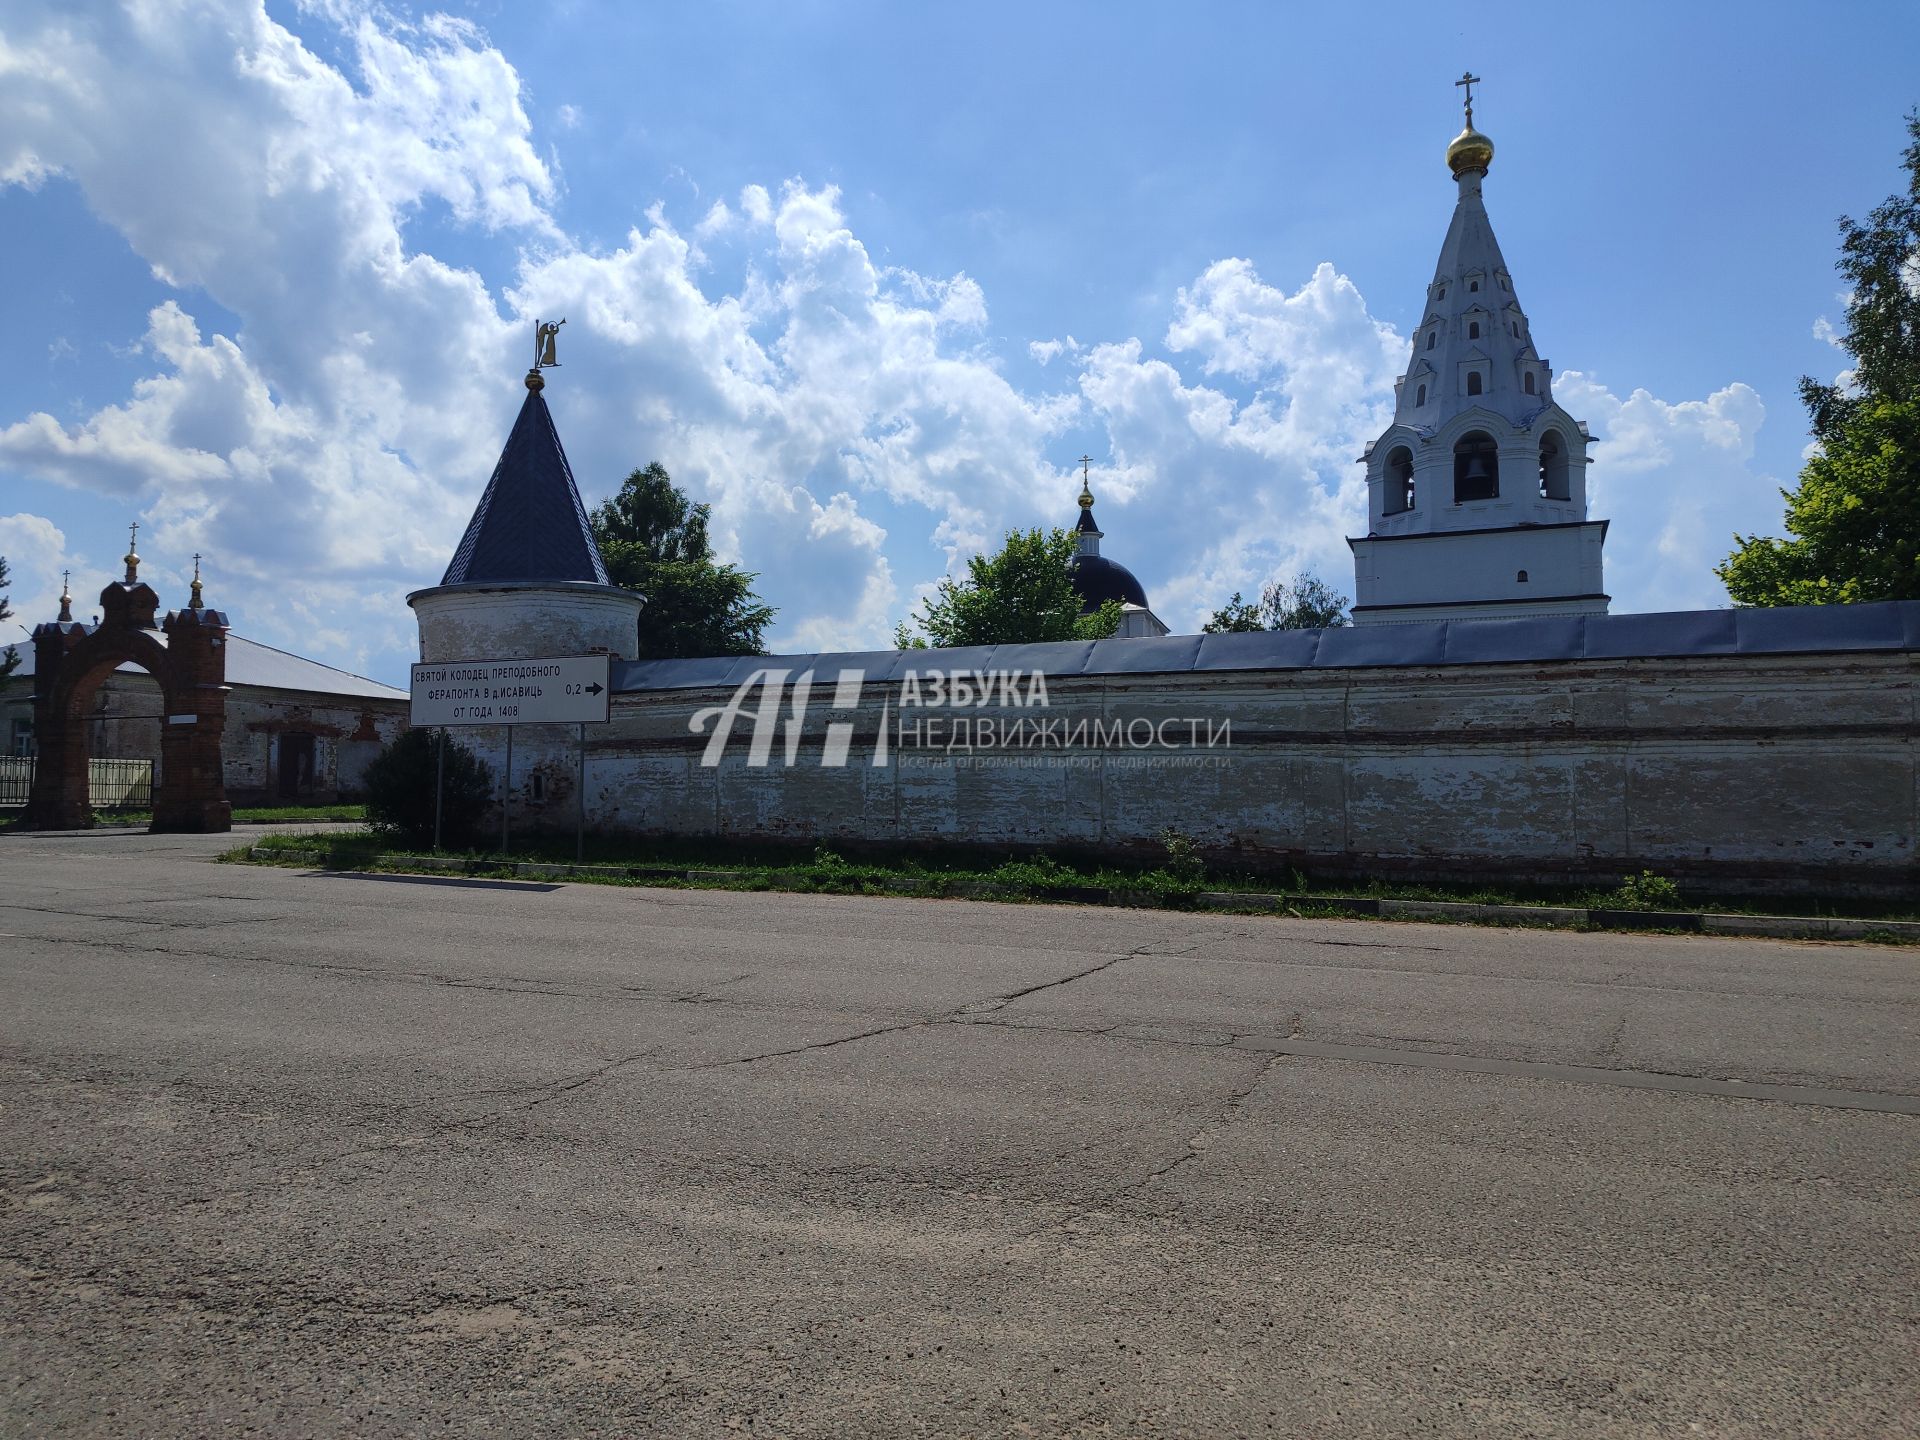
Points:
(300, 1154)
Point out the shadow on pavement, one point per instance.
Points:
(534, 885)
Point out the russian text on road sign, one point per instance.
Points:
(563, 690)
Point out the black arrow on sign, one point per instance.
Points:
(595, 688)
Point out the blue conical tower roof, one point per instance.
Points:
(530, 524)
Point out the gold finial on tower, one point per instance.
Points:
(199, 603)
(1470, 149)
(66, 595)
(1086, 484)
(132, 557)
(545, 332)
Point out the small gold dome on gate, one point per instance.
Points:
(1470, 150)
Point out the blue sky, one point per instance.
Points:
(869, 278)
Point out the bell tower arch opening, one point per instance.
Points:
(1556, 481)
(1476, 468)
(1396, 482)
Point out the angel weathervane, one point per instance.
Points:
(544, 332)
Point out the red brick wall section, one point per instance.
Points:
(70, 662)
(192, 794)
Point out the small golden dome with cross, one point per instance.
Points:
(1470, 149)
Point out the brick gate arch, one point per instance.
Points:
(186, 653)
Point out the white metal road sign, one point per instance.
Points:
(564, 690)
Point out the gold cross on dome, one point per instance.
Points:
(1468, 79)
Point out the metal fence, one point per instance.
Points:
(16, 781)
(111, 784)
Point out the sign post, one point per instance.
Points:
(439, 782)
(559, 690)
(506, 793)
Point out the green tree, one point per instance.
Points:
(1853, 521)
(400, 786)
(654, 540)
(1239, 616)
(1023, 593)
(9, 657)
(1306, 602)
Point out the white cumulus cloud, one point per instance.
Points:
(850, 422)
(1676, 480)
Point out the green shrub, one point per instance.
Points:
(1034, 876)
(1183, 860)
(1157, 887)
(400, 785)
(1645, 891)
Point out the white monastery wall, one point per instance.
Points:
(1793, 770)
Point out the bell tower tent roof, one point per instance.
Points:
(530, 525)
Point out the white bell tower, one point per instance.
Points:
(1477, 493)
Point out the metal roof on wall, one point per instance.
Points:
(1892, 625)
(251, 663)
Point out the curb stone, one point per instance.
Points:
(1646, 919)
(1778, 927)
(1500, 914)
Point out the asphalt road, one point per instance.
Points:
(309, 1155)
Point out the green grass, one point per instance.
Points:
(245, 815)
(745, 867)
(1038, 877)
(250, 815)
(296, 814)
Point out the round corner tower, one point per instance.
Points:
(528, 579)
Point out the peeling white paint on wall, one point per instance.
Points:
(1797, 768)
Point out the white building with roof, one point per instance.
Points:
(1477, 492)
(297, 731)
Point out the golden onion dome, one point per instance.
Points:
(1470, 150)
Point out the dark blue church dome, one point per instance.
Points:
(1098, 580)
